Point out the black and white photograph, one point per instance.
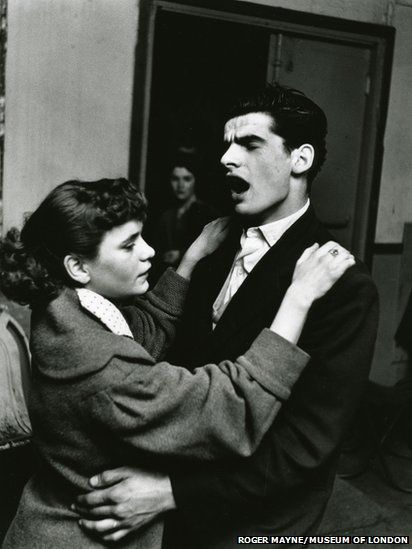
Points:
(205, 273)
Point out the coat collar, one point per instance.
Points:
(68, 342)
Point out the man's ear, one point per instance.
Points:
(302, 159)
(76, 269)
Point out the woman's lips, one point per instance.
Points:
(145, 274)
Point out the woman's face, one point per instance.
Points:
(122, 265)
(183, 183)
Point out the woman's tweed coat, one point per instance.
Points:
(98, 400)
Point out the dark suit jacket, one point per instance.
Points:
(284, 487)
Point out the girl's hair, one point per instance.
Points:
(72, 219)
(190, 161)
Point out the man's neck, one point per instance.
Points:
(278, 213)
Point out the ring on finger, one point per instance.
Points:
(334, 252)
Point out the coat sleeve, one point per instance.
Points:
(216, 411)
(153, 318)
(305, 437)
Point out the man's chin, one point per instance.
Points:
(240, 208)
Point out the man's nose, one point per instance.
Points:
(230, 158)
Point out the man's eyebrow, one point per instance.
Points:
(247, 139)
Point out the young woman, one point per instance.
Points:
(98, 397)
(178, 226)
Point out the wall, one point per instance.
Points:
(69, 75)
(395, 202)
(368, 11)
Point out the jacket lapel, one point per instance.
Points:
(263, 290)
(209, 279)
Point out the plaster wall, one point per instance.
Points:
(369, 11)
(395, 201)
(69, 76)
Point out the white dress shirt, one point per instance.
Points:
(254, 243)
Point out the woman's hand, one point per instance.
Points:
(317, 270)
(207, 242)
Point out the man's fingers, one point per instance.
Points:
(95, 498)
(100, 512)
(99, 526)
(108, 478)
(119, 534)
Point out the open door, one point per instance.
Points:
(336, 76)
(193, 55)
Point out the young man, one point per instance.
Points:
(275, 146)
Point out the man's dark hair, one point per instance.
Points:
(296, 118)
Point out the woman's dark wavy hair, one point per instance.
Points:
(72, 219)
(296, 118)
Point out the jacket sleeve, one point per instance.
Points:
(216, 411)
(305, 437)
(153, 318)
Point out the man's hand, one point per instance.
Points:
(123, 500)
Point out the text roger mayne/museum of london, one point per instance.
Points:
(303, 540)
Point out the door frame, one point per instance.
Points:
(378, 38)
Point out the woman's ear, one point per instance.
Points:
(76, 269)
(302, 159)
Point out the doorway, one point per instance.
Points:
(199, 55)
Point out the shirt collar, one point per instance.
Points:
(273, 231)
(105, 311)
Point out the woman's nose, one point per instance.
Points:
(148, 252)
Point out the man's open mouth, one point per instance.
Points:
(237, 184)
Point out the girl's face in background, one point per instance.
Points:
(183, 183)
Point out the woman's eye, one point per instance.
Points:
(129, 247)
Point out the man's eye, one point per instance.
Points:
(251, 146)
(129, 247)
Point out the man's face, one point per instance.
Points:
(258, 168)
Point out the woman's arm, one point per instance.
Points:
(313, 276)
(153, 318)
(216, 411)
(223, 409)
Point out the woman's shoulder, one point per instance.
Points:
(69, 342)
